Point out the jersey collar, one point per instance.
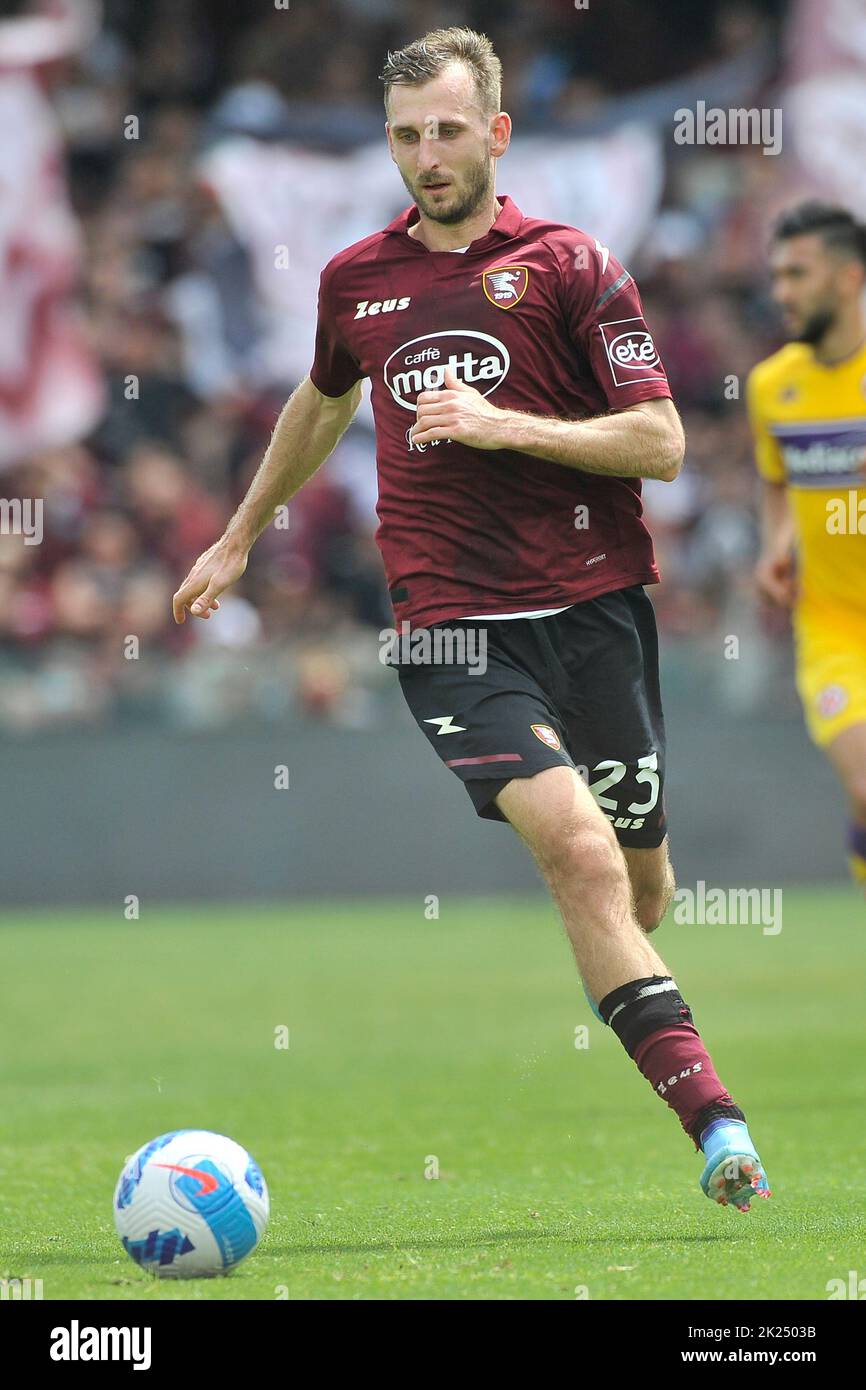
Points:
(506, 225)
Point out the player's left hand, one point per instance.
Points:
(460, 413)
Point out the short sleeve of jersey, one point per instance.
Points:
(334, 370)
(606, 321)
(768, 456)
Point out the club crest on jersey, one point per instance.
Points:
(546, 734)
(832, 700)
(505, 285)
(630, 350)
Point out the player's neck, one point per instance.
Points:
(439, 236)
(844, 340)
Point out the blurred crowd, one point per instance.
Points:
(86, 631)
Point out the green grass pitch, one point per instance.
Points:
(413, 1040)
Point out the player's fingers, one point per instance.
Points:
(213, 608)
(433, 413)
(428, 414)
(426, 436)
(772, 587)
(781, 583)
(433, 397)
(432, 419)
(453, 382)
(201, 606)
(183, 598)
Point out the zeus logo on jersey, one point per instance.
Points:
(630, 350)
(367, 309)
(476, 358)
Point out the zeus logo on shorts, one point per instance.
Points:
(630, 350)
(476, 358)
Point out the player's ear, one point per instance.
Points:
(854, 278)
(500, 133)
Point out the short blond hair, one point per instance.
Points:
(426, 58)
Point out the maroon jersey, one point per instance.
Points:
(539, 317)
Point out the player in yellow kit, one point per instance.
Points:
(807, 407)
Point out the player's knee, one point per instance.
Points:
(588, 856)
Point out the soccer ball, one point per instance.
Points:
(190, 1204)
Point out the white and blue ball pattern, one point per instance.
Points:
(190, 1204)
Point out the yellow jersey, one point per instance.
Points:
(809, 425)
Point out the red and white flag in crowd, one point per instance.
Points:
(825, 100)
(51, 390)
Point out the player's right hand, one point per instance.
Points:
(214, 570)
(776, 578)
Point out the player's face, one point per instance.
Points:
(444, 145)
(807, 286)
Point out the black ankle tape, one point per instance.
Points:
(716, 1110)
(642, 1007)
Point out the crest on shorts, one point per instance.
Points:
(505, 285)
(546, 734)
(832, 700)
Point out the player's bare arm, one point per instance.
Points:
(308, 429)
(641, 441)
(775, 572)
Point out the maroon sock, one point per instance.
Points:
(655, 1026)
(679, 1068)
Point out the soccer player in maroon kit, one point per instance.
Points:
(518, 400)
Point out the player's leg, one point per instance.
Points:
(652, 882)
(499, 730)
(847, 753)
(576, 850)
(607, 652)
(831, 679)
